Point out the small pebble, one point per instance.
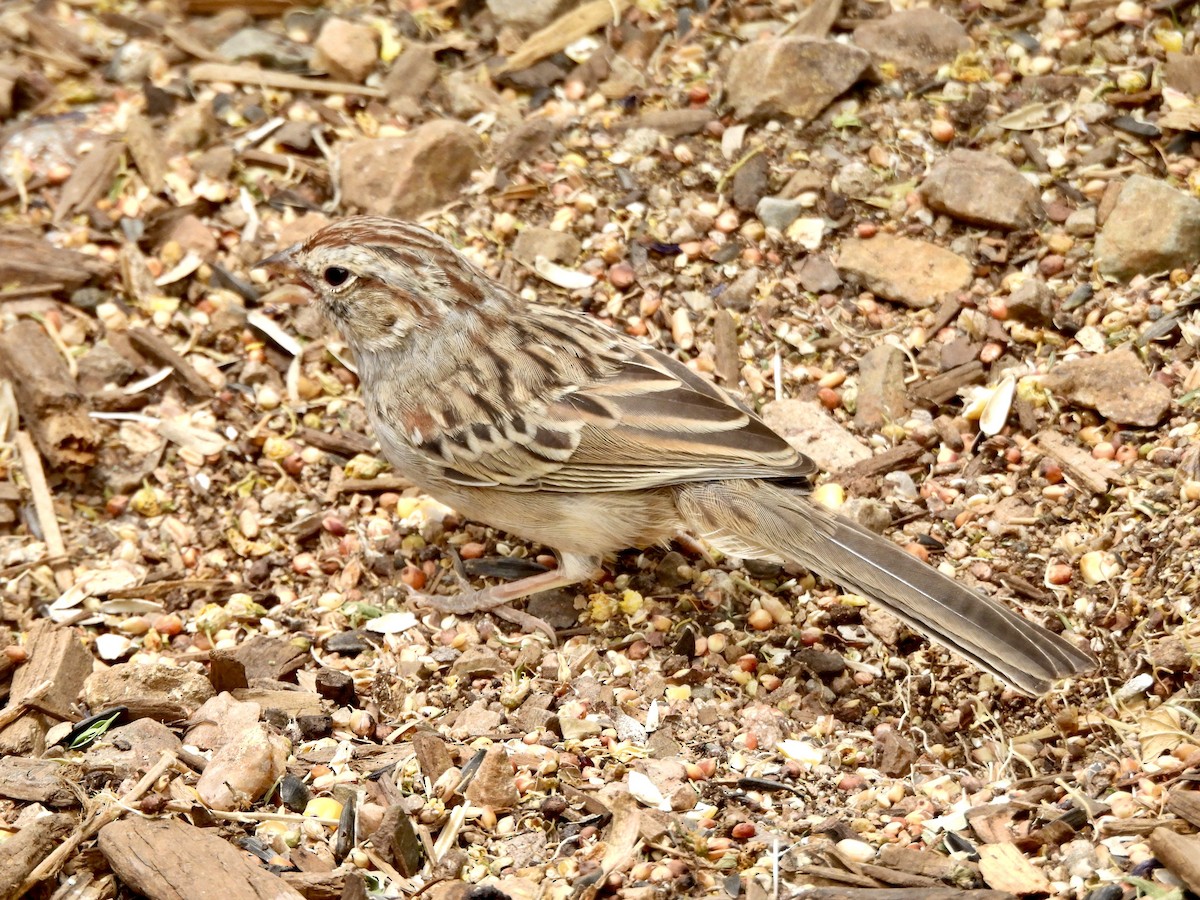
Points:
(621, 276)
(1059, 574)
(941, 131)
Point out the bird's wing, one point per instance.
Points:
(643, 420)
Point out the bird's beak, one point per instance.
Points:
(283, 261)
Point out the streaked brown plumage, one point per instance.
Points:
(549, 425)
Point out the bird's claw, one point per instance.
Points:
(469, 602)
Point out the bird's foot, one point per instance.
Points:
(484, 601)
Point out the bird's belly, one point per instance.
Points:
(592, 524)
(589, 523)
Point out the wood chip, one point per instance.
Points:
(54, 409)
(945, 314)
(91, 179)
(20, 855)
(316, 885)
(182, 38)
(374, 485)
(253, 7)
(1185, 804)
(60, 44)
(1180, 854)
(728, 363)
(57, 655)
(36, 781)
(295, 703)
(291, 164)
(885, 874)
(50, 866)
(26, 259)
(342, 443)
(940, 388)
(879, 464)
(816, 20)
(146, 148)
(1080, 466)
(43, 505)
(246, 74)
(946, 893)
(924, 862)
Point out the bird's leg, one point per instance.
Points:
(695, 547)
(572, 569)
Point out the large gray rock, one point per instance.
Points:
(981, 188)
(1152, 228)
(881, 395)
(791, 76)
(528, 16)
(347, 50)
(810, 428)
(1115, 384)
(912, 272)
(920, 39)
(409, 175)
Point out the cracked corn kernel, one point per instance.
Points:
(323, 808)
(631, 602)
(601, 607)
(830, 495)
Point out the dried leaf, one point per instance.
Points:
(1160, 732)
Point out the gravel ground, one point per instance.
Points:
(948, 251)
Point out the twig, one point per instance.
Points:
(86, 830)
(32, 184)
(10, 714)
(31, 290)
(11, 571)
(238, 816)
(43, 504)
(265, 78)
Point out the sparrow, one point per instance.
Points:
(545, 423)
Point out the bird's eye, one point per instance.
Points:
(336, 276)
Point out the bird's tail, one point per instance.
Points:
(756, 519)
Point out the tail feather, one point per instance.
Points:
(757, 519)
